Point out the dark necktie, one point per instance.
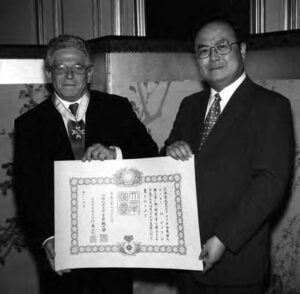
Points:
(76, 133)
(211, 118)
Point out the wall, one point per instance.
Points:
(281, 15)
(18, 22)
(179, 19)
(37, 21)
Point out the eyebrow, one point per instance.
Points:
(201, 46)
(219, 41)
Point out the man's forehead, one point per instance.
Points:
(215, 32)
(69, 51)
(68, 54)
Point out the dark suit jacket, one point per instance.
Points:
(242, 173)
(41, 138)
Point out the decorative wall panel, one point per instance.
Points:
(38, 21)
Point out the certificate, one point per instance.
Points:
(139, 213)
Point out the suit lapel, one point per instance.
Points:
(203, 106)
(201, 111)
(195, 115)
(58, 143)
(95, 118)
(232, 115)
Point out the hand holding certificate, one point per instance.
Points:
(126, 213)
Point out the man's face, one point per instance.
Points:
(70, 73)
(219, 70)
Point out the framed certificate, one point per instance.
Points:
(126, 213)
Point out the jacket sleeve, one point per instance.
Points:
(28, 187)
(136, 142)
(271, 173)
(177, 132)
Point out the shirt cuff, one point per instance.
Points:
(43, 244)
(118, 150)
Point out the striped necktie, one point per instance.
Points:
(211, 118)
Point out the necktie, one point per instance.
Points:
(211, 118)
(76, 133)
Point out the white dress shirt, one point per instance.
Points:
(225, 94)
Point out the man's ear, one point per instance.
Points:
(48, 75)
(243, 51)
(90, 72)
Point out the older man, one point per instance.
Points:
(74, 123)
(243, 141)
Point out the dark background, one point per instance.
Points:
(173, 19)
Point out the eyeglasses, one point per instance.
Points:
(221, 48)
(76, 69)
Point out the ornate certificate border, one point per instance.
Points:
(127, 178)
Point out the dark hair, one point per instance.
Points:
(240, 35)
(67, 41)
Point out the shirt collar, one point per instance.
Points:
(63, 107)
(67, 103)
(228, 91)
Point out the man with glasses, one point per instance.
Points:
(74, 123)
(242, 137)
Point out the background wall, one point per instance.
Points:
(37, 21)
(179, 19)
(281, 15)
(18, 22)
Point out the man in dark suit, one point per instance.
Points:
(242, 137)
(74, 123)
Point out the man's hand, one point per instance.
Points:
(179, 150)
(50, 252)
(99, 152)
(212, 252)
